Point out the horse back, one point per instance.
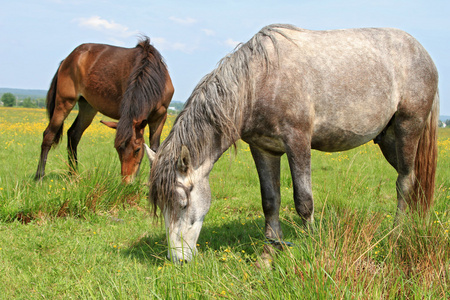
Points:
(98, 73)
(342, 87)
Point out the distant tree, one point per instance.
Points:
(27, 102)
(440, 124)
(40, 102)
(447, 122)
(8, 99)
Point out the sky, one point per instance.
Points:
(192, 36)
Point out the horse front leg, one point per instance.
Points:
(268, 167)
(156, 123)
(298, 151)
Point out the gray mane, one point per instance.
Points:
(214, 108)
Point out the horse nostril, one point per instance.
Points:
(127, 179)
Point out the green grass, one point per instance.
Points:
(89, 237)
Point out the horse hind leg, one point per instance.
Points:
(400, 147)
(51, 136)
(53, 133)
(388, 146)
(85, 116)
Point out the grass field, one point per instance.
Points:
(88, 236)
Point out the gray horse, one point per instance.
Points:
(290, 90)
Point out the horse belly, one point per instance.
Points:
(340, 137)
(345, 122)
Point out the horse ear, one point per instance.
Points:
(139, 127)
(184, 161)
(110, 124)
(150, 154)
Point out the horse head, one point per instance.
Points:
(184, 214)
(130, 151)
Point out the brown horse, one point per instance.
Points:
(131, 85)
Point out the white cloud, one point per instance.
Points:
(163, 44)
(111, 27)
(185, 21)
(209, 32)
(230, 42)
(159, 41)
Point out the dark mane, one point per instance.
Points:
(145, 88)
(213, 109)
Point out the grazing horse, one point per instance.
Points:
(290, 90)
(130, 85)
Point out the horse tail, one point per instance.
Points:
(426, 161)
(51, 103)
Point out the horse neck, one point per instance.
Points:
(214, 114)
(221, 145)
(206, 138)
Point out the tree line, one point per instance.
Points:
(10, 100)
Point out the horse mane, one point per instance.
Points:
(145, 88)
(214, 109)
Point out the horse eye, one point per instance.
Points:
(136, 152)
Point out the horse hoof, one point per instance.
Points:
(266, 259)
